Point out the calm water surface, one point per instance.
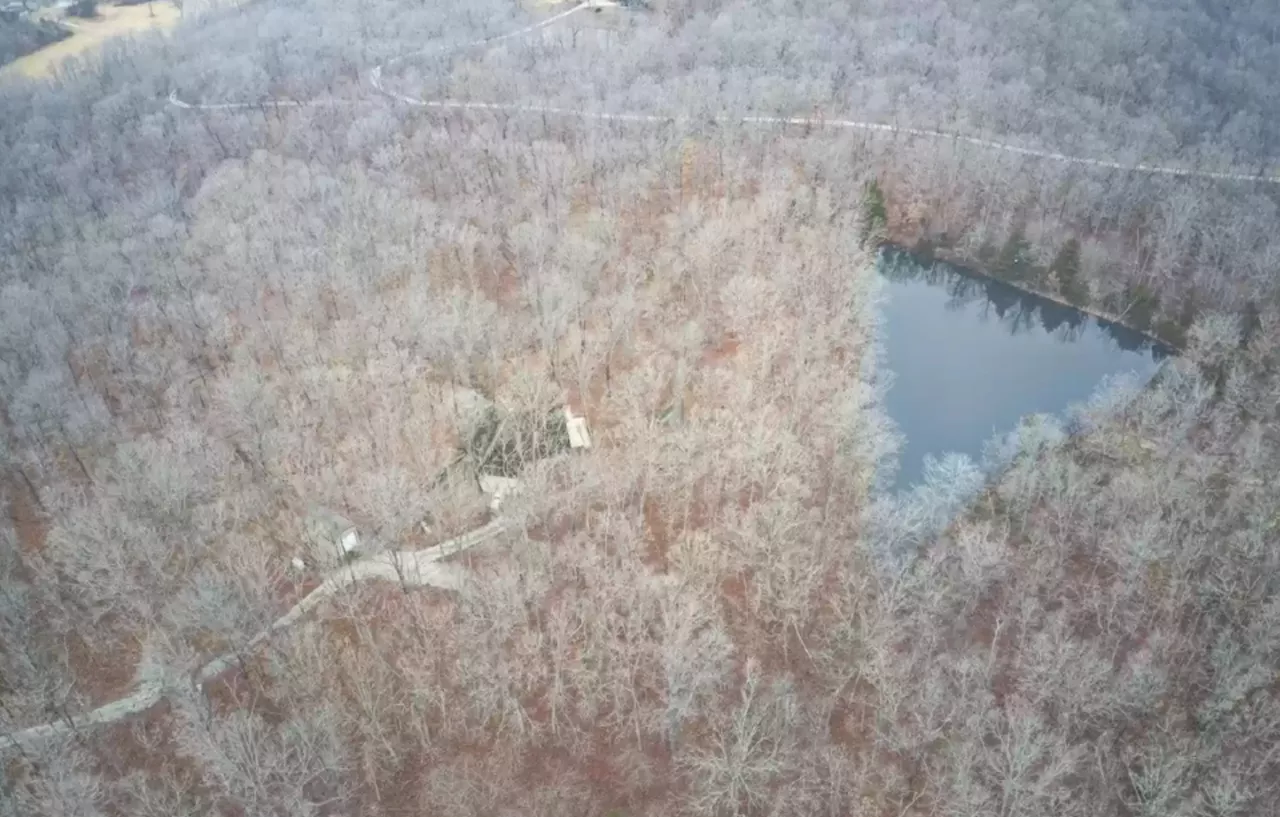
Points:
(970, 356)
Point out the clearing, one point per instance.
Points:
(111, 22)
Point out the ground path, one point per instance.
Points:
(412, 568)
(376, 81)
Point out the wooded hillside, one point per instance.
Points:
(220, 325)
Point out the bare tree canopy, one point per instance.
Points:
(369, 455)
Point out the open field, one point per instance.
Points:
(89, 35)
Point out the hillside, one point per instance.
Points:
(304, 270)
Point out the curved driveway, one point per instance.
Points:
(411, 568)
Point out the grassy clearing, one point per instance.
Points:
(112, 22)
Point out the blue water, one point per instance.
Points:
(970, 356)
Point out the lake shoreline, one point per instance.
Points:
(973, 267)
(972, 356)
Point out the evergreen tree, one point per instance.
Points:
(1066, 270)
(1250, 323)
(875, 215)
(1141, 306)
(1174, 328)
(1014, 262)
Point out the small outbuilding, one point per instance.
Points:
(579, 436)
(330, 537)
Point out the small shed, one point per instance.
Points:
(579, 436)
(330, 537)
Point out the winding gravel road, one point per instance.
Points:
(376, 81)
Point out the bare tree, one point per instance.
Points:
(753, 750)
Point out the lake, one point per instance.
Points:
(970, 356)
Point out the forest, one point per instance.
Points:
(267, 331)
